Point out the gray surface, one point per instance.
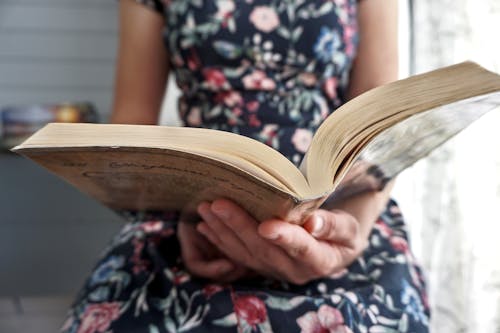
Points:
(50, 234)
(57, 51)
(57, 15)
(52, 51)
(32, 314)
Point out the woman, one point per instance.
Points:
(271, 70)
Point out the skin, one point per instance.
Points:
(228, 244)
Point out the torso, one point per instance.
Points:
(271, 70)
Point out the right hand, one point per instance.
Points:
(326, 244)
(203, 259)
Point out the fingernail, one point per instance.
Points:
(205, 213)
(221, 213)
(273, 236)
(318, 226)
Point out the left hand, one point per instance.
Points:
(203, 259)
(327, 243)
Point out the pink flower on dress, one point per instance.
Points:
(237, 112)
(177, 276)
(327, 320)
(177, 60)
(230, 98)
(139, 263)
(181, 277)
(399, 244)
(269, 132)
(250, 309)
(349, 33)
(395, 210)
(234, 116)
(194, 117)
(253, 121)
(214, 78)
(98, 317)
(330, 87)
(193, 61)
(340, 3)
(301, 139)
(308, 79)
(252, 106)
(211, 289)
(67, 323)
(225, 9)
(383, 228)
(258, 80)
(151, 226)
(264, 18)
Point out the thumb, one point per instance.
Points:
(334, 226)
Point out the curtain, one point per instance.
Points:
(452, 198)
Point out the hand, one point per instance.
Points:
(203, 259)
(325, 244)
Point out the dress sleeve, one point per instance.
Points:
(156, 5)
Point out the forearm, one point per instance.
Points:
(141, 69)
(376, 63)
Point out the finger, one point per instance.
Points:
(240, 222)
(313, 257)
(222, 236)
(334, 226)
(292, 238)
(207, 232)
(195, 260)
(234, 216)
(235, 219)
(261, 255)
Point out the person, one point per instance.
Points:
(270, 70)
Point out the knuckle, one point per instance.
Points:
(324, 269)
(299, 250)
(328, 229)
(352, 228)
(285, 240)
(327, 269)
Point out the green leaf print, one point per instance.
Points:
(284, 304)
(284, 32)
(227, 321)
(227, 49)
(153, 329)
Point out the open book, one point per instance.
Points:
(359, 147)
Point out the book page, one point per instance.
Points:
(399, 146)
(344, 134)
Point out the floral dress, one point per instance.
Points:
(271, 70)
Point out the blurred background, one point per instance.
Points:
(57, 55)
